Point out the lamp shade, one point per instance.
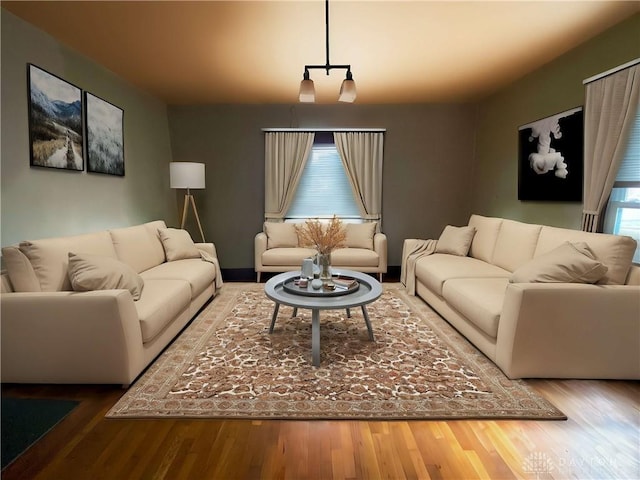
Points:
(307, 91)
(347, 90)
(186, 175)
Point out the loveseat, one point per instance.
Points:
(99, 307)
(277, 249)
(539, 301)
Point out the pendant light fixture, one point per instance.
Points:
(348, 87)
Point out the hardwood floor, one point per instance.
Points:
(601, 439)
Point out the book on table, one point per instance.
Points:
(347, 282)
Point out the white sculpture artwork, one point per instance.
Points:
(547, 158)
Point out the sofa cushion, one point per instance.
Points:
(162, 302)
(281, 235)
(5, 284)
(455, 240)
(177, 244)
(354, 257)
(97, 272)
(484, 240)
(23, 277)
(286, 256)
(614, 251)
(568, 263)
(198, 273)
(138, 247)
(515, 244)
(154, 226)
(434, 270)
(478, 299)
(360, 235)
(49, 257)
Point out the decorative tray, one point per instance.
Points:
(343, 286)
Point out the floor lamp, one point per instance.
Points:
(187, 175)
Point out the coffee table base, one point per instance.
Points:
(315, 328)
(368, 291)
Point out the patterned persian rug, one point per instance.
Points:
(227, 365)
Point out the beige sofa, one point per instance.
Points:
(68, 308)
(527, 300)
(276, 249)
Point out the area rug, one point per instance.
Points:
(26, 420)
(227, 365)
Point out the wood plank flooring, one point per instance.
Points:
(601, 440)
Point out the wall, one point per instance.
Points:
(442, 162)
(552, 89)
(426, 175)
(43, 202)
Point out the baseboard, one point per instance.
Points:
(238, 274)
(249, 275)
(393, 274)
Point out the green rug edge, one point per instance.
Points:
(24, 421)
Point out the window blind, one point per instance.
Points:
(324, 189)
(630, 167)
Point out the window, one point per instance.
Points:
(324, 189)
(623, 210)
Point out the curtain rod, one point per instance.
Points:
(611, 72)
(324, 129)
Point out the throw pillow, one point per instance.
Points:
(99, 272)
(177, 244)
(360, 235)
(568, 263)
(455, 240)
(21, 274)
(281, 235)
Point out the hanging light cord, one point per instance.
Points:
(327, 66)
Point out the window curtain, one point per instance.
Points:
(362, 154)
(610, 106)
(285, 156)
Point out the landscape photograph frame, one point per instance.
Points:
(551, 158)
(56, 136)
(104, 129)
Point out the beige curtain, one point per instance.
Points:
(610, 107)
(285, 156)
(362, 154)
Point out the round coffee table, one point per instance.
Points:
(369, 289)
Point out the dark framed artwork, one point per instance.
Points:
(55, 121)
(105, 136)
(550, 158)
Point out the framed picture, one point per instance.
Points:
(55, 121)
(550, 158)
(105, 136)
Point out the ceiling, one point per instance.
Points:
(204, 52)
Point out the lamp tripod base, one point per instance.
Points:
(188, 199)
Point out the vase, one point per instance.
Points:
(324, 263)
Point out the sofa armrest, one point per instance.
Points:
(380, 247)
(570, 330)
(70, 337)
(209, 254)
(260, 246)
(209, 248)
